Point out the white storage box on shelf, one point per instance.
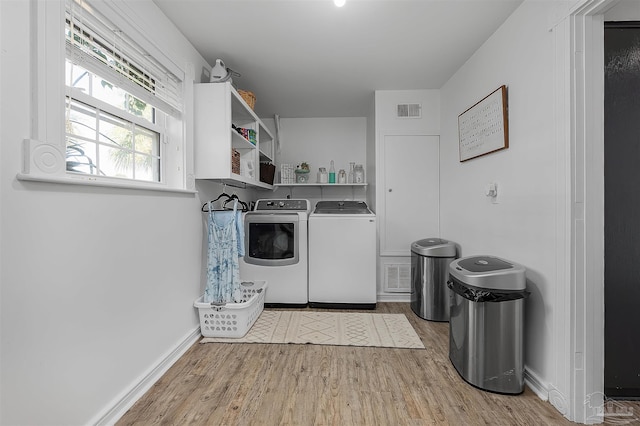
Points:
(287, 173)
(232, 319)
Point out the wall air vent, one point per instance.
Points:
(397, 278)
(409, 110)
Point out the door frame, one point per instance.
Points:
(579, 41)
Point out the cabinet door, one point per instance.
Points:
(411, 202)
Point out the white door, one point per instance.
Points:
(410, 202)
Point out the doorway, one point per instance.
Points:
(622, 210)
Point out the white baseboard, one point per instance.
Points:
(120, 405)
(536, 385)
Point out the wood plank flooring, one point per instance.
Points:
(263, 384)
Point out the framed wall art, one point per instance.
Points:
(484, 128)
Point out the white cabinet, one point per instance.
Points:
(218, 109)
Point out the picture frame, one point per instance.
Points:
(484, 127)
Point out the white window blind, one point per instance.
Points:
(95, 44)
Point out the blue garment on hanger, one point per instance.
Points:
(240, 231)
(223, 268)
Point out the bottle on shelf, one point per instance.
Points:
(322, 175)
(342, 176)
(332, 173)
(358, 174)
(351, 178)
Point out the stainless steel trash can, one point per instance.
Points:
(430, 259)
(486, 322)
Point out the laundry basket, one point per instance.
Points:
(232, 319)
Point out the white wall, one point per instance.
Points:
(625, 10)
(317, 141)
(521, 227)
(97, 284)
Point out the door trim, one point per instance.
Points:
(579, 335)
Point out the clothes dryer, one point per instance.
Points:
(276, 250)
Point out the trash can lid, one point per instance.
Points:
(489, 272)
(434, 247)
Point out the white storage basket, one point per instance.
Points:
(232, 319)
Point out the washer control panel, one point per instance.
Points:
(282, 204)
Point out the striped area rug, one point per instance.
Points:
(329, 328)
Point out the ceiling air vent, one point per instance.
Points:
(409, 110)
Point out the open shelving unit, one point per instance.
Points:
(218, 106)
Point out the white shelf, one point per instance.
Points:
(239, 142)
(321, 184)
(236, 179)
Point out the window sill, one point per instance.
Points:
(92, 181)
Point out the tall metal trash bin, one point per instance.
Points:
(430, 259)
(486, 323)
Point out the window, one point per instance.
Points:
(108, 99)
(119, 101)
(111, 144)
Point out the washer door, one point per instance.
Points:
(271, 239)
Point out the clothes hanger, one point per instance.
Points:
(205, 206)
(234, 196)
(223, 194)
(245, 206)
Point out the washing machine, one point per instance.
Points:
(276, 250)
(342, 255)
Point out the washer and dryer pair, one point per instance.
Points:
(325, 259)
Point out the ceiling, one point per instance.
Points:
(309, 58)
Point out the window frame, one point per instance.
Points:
(44, 149)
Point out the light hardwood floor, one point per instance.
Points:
(262, 384)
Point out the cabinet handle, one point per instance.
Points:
(390, 190)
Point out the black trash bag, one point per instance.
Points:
(479, 295)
